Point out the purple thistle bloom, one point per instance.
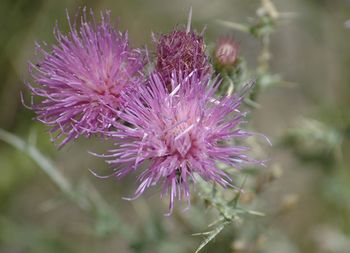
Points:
(81, 79)
(178, 135)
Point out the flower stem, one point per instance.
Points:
(89, 200)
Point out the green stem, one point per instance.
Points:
(44, 163)
(89, 200)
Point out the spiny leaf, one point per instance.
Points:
(211, 235)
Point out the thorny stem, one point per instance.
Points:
(263, 67)
(265, 55)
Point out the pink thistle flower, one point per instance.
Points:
(81, 79)
(178, 135)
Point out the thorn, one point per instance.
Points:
(189, 20)
(203, 31)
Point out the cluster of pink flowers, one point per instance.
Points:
(168, 123)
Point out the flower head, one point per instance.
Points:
(178, 135)
(81, 79)
(181, 51)
(226, 52)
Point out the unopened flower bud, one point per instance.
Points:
(226, 52)
(182, 52)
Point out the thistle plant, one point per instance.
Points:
(178, 119)
(91, 84)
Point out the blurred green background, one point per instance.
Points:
(308, 121)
